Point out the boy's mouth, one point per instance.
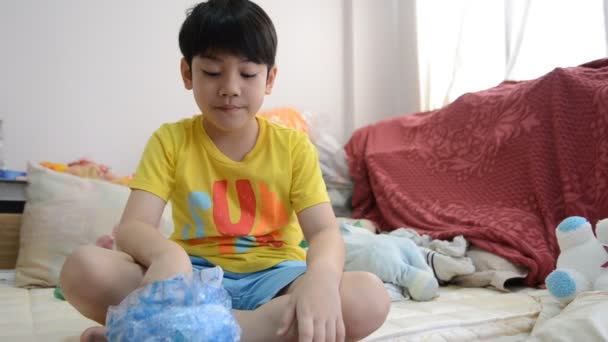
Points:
(228, 107)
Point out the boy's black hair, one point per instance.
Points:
(238, 27)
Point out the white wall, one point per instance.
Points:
(385, 69)
(83, 78)
(95, 78)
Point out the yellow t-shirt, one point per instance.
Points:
(238, 215)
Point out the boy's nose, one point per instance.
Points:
(229, 88)
(228, 94)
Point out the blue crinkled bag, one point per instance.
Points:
(183, 308)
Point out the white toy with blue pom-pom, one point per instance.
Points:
(583, 261)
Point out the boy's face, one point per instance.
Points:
(229, 90)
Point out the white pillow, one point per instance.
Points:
(584, 319)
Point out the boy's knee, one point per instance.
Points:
(80, 270)
(366, 304)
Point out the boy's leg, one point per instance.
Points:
(93, 278)
(365, 305)
(263, 323)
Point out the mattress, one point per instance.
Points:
(458, 314)
(464, 314)
(36, 315)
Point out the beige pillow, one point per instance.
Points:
(63, 212)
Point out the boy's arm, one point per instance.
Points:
(138, 236)
(326, 246)
(315, 301)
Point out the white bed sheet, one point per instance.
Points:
(458, 314)
(464, 314)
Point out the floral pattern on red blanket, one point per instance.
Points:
(502, 166)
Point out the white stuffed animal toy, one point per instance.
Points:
(583, 262)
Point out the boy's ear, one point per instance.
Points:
(272, 75)
(186, 74)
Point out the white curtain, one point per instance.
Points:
(606, 23)
(516, 18)
(470, 45)
(457, 39)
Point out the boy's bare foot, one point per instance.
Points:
(105, 241)
(94, 334)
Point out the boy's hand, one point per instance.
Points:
(315, 306)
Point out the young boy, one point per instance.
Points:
(243, 191)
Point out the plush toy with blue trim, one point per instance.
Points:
(583, 261)
(394, 259)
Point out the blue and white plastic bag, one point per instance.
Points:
(183, 308)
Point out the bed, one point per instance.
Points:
(75, 210)
(458, 314)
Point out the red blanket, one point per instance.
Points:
(502, 167)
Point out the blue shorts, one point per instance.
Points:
(251, 290)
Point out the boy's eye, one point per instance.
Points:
(211, 74)
(245, 75)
